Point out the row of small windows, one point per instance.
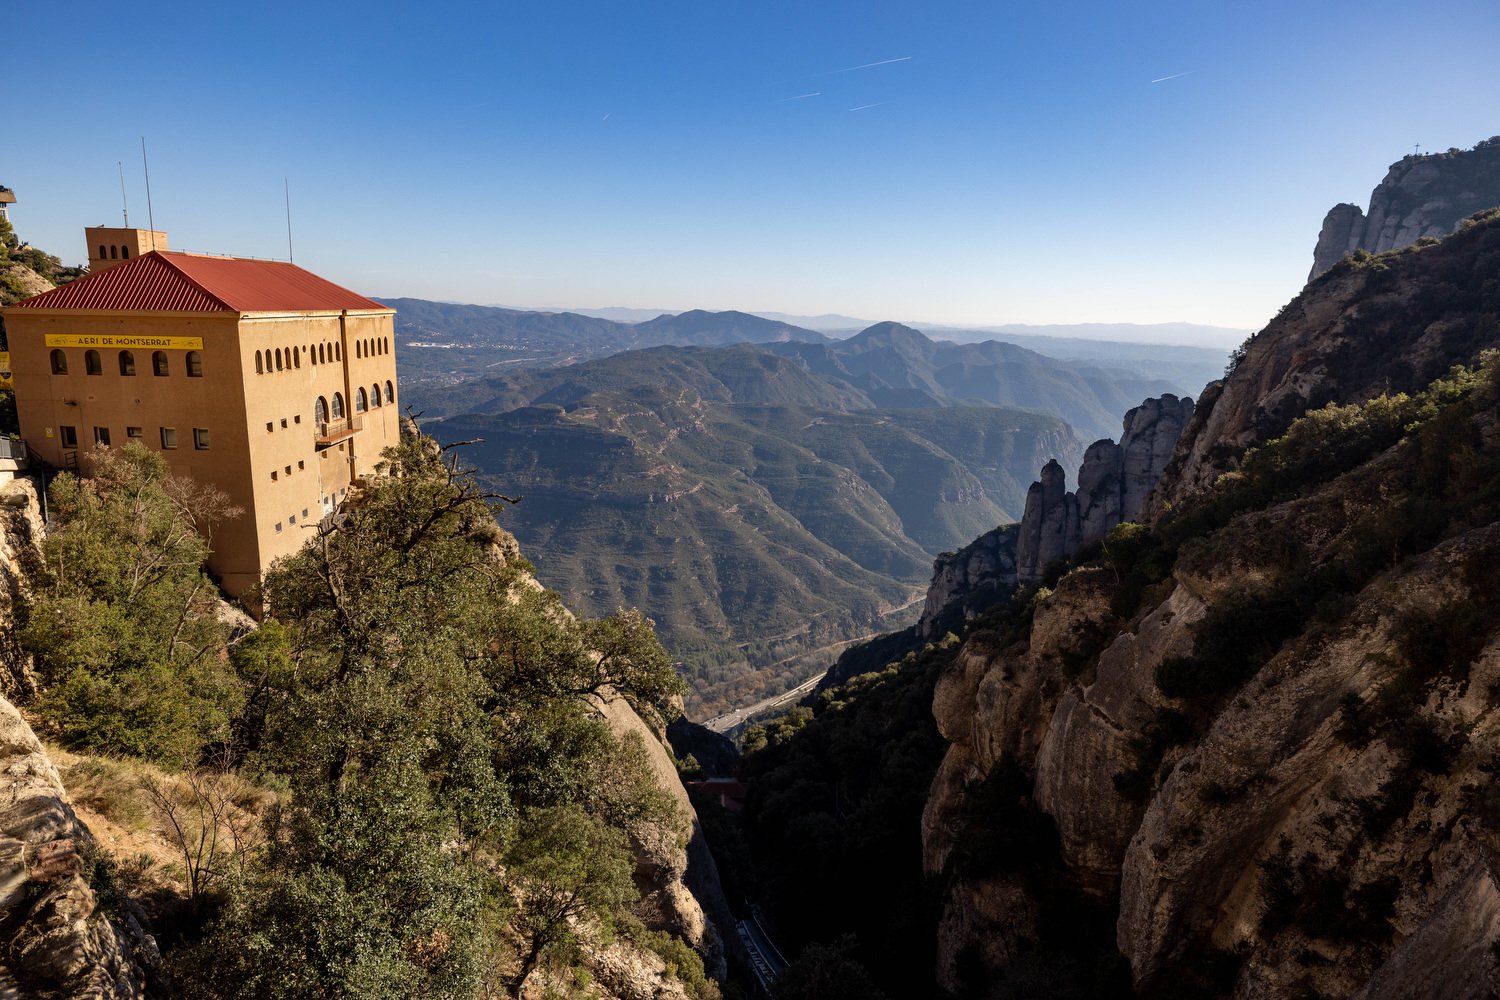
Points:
(371, 346)
(300, 466)
(93, 363)
(323, 410)
(69, 436)
(291, 357)
(115, 252)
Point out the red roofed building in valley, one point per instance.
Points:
(257, 376)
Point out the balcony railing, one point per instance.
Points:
(13, 448)
(331, 432)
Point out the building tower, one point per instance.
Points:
(109, 245)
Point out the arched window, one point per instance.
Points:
(59, 363)
(114, 253)
(278, 359)
(320, 411)
(127, 363)
(390, 392)
(359, 348)
(338, 353)
(361, 401)
(159, 363)
(195, 364)
(296, 357)
(387, 344)
(260, 364)
(92, 364)
(322, 355)
(102, 254)
(312, 354)
(338, 406)
(375, 394)
(124, 253)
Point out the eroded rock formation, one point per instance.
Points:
(1420, 196)
(1113, 483)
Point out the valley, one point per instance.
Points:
(767, 503)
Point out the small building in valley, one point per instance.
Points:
(256, 376)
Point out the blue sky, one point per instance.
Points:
(1008, 163)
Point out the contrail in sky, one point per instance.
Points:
(864, 106)
(1164, 79)
(606, 117)
(799, 97)
(883, 62)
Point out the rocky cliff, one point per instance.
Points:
(1386, 324)
(1261, 746)
(1113, 482)
(1421, 196)
(61, 942)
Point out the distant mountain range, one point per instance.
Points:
(886, 366)
(443, 344)
(761, 502)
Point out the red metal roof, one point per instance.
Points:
(182, 282)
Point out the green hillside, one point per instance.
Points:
(751, 532)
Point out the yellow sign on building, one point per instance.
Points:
(5, 380)
(110, 340)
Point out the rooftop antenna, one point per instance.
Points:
(150, 216)
(286, 188)
(124, 204)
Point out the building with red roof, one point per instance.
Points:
(257, 376)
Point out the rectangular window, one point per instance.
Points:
(134, 433)
(270, 427)
(297, 419)
(301, 464)
(168, 438)
(275, 475)
(69, 436)
(289, 470)
(101, 436)
(200, 438)
(292, 519)
(283, 423)
(278, 525)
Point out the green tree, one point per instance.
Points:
(566, 866)
(121, 620)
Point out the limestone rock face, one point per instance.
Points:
(1343, 232)
(679, 885)
(59, 944)
(1352, 335)
(969, 580)
(1113, 483)
(1049, 527)
(1420, 196)
(1272, 777)
(21, 532)
(1089, 741)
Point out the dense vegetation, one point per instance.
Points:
(440, 811)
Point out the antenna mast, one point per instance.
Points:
(286, 187)
(150, 216)
(124, 204)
